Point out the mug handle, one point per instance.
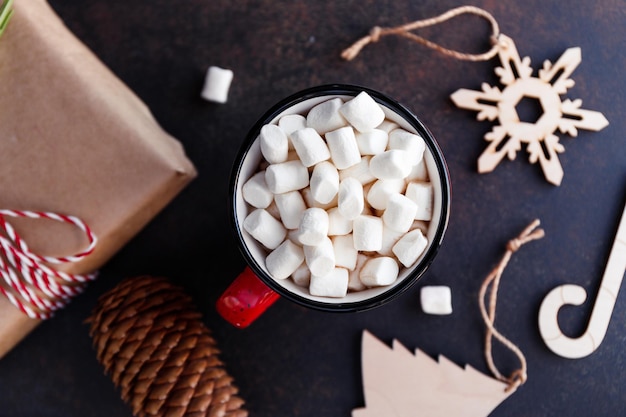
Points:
(245, 299)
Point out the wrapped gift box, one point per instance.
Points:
(75, 140)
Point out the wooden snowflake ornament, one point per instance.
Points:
(506, 138)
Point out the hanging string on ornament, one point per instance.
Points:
(491, 103)
(488, 309)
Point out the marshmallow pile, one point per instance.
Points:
(342, 199)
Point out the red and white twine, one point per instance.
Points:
(27, 281)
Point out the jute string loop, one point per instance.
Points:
(405, 30)
(518, 377)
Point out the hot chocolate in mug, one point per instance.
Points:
(254, 290)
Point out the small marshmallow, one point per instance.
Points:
(292, 122)
(284, 260)
(345, 253)
(419, 172)
(307, 194)
(354, 282)
(391, 164)
(387, 126)
(302, 276)
(290, 206)
(400, 213)
(422, 194)
(362, 112)
(410, 142)
(324, 182)
(343, 147)
(420, 224)
(337, 224)
(350, 198)
(390, 238)
(313, 226)
(273, 210)
(265, 228)
(436, 299)
(367, 232)
(286, 176)
(379, 271)
(379, 193)
(255, 191)
(320, 258)
(360, 171)
(216, 84)
(274, 144)
(325, 116)
(372, 142)
(333, 284)
(310, 146)
(410, 247)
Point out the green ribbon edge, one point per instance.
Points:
(6, 11)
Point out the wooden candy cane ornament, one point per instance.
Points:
(586, 344)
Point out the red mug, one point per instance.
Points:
(254, 290)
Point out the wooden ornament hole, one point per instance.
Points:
(529, 109)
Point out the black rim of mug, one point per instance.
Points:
(442, 169)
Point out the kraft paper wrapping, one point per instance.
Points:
(75, 140)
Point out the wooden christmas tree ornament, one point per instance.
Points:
(153, 344)
(398, 383)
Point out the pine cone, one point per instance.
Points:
(152, 343)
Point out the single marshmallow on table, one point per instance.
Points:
(290, 205)
(410, 247)
(391, 164)
(324, 182)
(372, 142)
(286, 176)
(350, 198)
(216, 84)
(344, 151)
(333, 284)
(345, 253)
(313, 226)
(379, 271)
(422, 194)
(362, 112)
(289, 123)
(284, 260)
(265, 228)
(360, 171)
(337, 223)
(274, 144)
(255, 191)
(310, 146)
(380, 191)
(325, 116)
(410, 142)
(436, 299)
(320, 258)
(400, 213)
(367, 232)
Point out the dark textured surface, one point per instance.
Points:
(296, 362)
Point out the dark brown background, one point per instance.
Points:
(297, 362)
